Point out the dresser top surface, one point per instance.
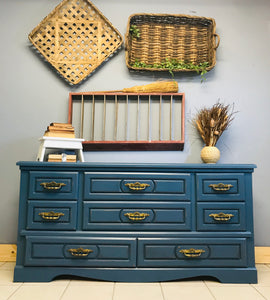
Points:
(98, 166)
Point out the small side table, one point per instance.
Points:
(47, 142)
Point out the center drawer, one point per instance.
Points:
(145, 186)
(80, 251)
(141, 216)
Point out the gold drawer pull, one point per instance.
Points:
(137, 186)
(50, 215)
(80, 252)
(136, 216)
(221, 216)
(192, 252)
(52, 185)
(221, 187)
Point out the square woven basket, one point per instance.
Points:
(75, 38)
(162, 37)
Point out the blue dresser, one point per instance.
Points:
(135, 222)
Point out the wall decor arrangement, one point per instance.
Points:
(133, 221)
(76, 39)
(174, 43)
(211, 123)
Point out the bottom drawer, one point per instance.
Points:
(192, 252)
(94, 252)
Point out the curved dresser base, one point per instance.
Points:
(224, 275)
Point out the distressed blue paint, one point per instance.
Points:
(95, 201)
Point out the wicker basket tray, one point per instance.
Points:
(75, 38)
(158, 39)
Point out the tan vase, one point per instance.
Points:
(210, 154)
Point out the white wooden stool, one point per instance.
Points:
(47, 142)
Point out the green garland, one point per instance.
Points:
(174, 64)
(134, 31)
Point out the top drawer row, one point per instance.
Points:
(136, 186)
(146, 186)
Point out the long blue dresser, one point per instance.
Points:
(135, 222)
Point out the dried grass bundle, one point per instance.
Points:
(154, 87)
(212, 122)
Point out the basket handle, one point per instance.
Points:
(218, 40)
(127, 42)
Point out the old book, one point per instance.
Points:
(55, 156)
(65, 125)
(59, 128)
(71, 160)
(62, 158)
(69, 157)
(60, 134)
(54, 160)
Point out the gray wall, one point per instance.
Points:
(32, 95)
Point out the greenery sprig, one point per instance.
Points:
(173, 64)
(134, 31)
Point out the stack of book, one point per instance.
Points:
(61, 158)
(64, 130)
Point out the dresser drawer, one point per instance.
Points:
(150, 186)
(224, 187)
(56, 215)
(139, 216)
(192, 252)
(80, 251)
(221, 216)
(53, 185)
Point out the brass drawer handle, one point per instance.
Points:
(221, 216)
(192, 252)
(50, 215)
(80, 252)
(52, 185)
(137, 186)
(221, 187)
(136, 216)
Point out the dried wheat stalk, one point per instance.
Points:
(212, 122)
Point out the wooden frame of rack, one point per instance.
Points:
(128, 121)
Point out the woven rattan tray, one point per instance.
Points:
(160, 39)
(75, 38)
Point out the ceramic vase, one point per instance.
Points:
(210, 154)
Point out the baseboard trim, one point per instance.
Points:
(262, 255)
(8, 253)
